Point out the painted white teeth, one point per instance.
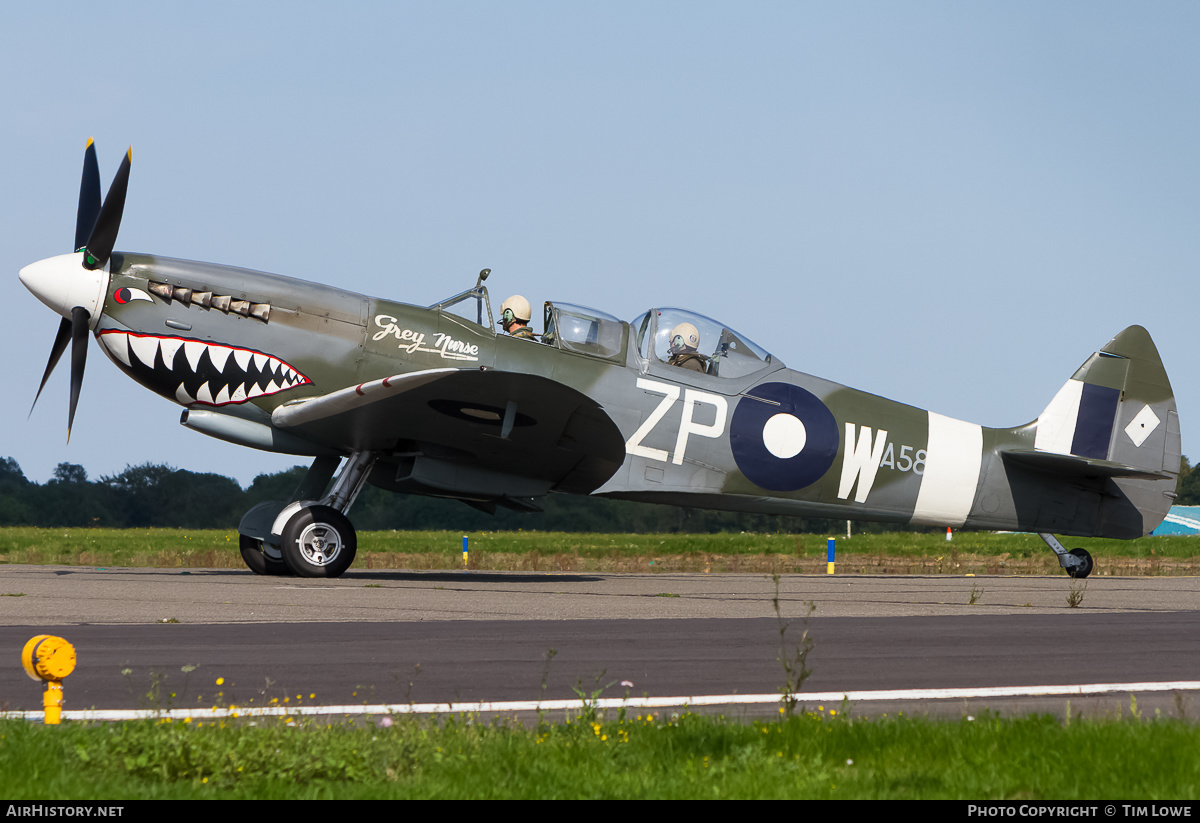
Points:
(193, 350)
(218, 355)
(118, 346)
(125, 347)
(168, 346)
(144, 348)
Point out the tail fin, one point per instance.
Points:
(1117, 407)
(1116, 418)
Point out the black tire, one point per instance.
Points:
(1080, 572)
(257, 560)
(318, 541)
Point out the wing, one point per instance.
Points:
(467, 433)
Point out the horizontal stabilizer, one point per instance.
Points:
(1073, 466)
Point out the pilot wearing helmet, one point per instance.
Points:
(514, 317)
(685, 341)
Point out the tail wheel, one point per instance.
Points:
(257, 560)
(318, 541)
(1080, 572)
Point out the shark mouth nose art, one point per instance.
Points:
(193, 371)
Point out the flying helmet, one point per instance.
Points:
(514, 308)
(684, 337)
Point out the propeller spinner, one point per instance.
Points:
(74, 285)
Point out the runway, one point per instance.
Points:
(403, 638)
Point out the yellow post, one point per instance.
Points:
(49, 659)
(52, 702)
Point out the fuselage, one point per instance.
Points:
(746, 434)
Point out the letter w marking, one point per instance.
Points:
(860, 461)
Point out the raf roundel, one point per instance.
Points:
(783, 437)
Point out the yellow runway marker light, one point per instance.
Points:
(49, 659)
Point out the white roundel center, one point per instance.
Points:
(784, 436)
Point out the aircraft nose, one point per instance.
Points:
(62, 283)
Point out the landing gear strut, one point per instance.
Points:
(308, 537)
(1077, 562)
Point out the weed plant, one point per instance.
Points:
(794, 659)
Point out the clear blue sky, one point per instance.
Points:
(949, 204)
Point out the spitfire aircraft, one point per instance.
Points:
(671, 407)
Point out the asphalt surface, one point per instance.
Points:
(151, 638)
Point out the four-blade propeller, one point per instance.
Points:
(96, 227)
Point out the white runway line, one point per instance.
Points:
(803, 698)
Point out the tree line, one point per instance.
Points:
(154, 495)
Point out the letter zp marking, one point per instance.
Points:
(687, 423)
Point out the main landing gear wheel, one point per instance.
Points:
(258, 560)
(1080, 572)
(318, 541)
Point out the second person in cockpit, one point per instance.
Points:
(684, 349)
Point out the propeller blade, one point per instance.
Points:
(79, 331)
(104, 234)
(56, 350)
(89, 197)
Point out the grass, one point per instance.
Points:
(891, 553)
(812, 754)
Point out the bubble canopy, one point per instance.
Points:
(725, 352)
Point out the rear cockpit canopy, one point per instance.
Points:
(725, 352)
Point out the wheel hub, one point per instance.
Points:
(320, 544)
